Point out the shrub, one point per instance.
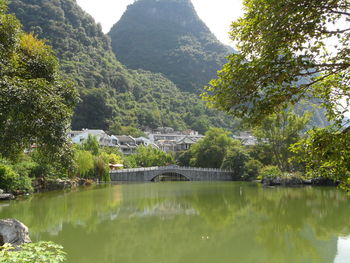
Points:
(42, 252)
(252, 169)
(85, 162)
(235, 160)
(270, 171)
(26, 168)
(102, 168)
(10, 181)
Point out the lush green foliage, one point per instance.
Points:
(91, 144)
(326, 153)
(36, 103)
(168, 37)
(280, 131)
(111, 95)
(270, 171)
(252, 169)
(148, 156)
(101, 163)
(12, 182)
(92, 161)
(218, 150)
(42, 252)
(85, 162)
(284, 57)
(211, 150)
(117, 129)
(235, 160)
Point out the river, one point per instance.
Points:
(188, 222)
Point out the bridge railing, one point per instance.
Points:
(165, 168)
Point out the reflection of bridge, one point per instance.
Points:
(190, 173)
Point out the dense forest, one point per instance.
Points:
(112, 96)
(168, 37)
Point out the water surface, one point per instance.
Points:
(191, 222)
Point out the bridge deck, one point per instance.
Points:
(191, 173)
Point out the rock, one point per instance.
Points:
(283, 180)
(6, 197)
(45, 184)
(321, 181)
(14, 232)
(85, 182)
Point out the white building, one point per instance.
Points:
(79, 137)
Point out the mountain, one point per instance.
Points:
(167, 36)
(112, 96)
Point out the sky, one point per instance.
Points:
(216, 14)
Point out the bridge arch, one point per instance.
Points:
(169, 176)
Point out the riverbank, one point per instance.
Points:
(43, 184)
(296, 180)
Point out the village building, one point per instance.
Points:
(79, 137)
(246, 138)
(174, 141)
(164, 138)
(127, 144)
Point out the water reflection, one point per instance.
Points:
(191, 222)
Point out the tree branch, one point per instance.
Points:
(340, 12)
(335, 31)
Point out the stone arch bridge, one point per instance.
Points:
(190, 173)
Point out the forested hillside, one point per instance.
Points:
(112, 95)
(167, 36)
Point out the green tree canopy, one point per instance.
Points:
(211, 150)
(280, 131)
(36, 103)
(148, 156)
(326, 153)
(285, 55)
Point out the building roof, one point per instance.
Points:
(187, 140)
(125, 138)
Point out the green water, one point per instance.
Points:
(191, 222)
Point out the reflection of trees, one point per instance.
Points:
(191, 222)
(48, 211)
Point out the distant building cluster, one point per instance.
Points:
(163, 138)
(246, 138)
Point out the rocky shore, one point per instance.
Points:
(6, 196)
(49, 184)
(295, 181)
(52, 184)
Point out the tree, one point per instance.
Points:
(289, 50)
(211, 150)
(326, 153)
(91, 144)
(101, 163)
(284, 56)
(36, 103)
(84, 161)
(235, 160)
(148, 156)
(281, 131)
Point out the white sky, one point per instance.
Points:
(216, 14)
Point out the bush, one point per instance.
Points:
(10, 181)
(42, 252)
(270, 172)
(252, 168)
(85, 162)
(235, 160)
(26, 168)
(101, 164)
